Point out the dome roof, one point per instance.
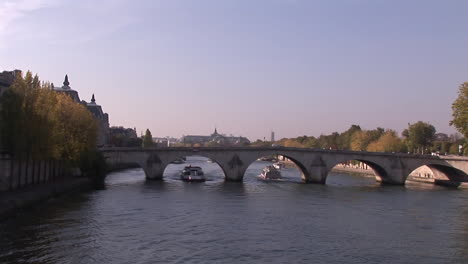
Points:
(68, 90)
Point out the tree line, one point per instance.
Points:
(39, 123)
(417, 138)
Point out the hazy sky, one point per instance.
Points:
(247, 66)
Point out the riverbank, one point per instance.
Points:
(12, 202)
(364, 172)
(422, 175)
(411, 178)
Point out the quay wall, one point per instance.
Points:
(25, 183)
(17, 174)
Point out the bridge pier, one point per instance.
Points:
(391, 176)
(234, 175)
(316, 174)
(388, 182)
(153, 172)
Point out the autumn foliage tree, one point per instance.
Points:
(39, 123)
(388, 142)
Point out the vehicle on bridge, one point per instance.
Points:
(192, 174)
(270, 173)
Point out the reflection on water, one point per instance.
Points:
(351, 219)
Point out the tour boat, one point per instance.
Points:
(270, 173)
(192, 174)
(278, 165)
(178, 161)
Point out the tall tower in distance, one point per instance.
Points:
(272, 136)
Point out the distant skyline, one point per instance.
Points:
(296, 67)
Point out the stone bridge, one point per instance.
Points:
(315, 164)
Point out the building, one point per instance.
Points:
(215, 138)
(6, 80)
(103, 121)
(165, 141)
(441, 137)
(95, 109)
(66, 89)
(123, 137)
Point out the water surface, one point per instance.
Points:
(351, 219)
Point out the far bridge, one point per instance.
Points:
(314, 164)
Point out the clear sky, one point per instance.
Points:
(299, 67)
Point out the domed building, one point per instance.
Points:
(216, 138)
(95, 109)
(66, 89)
(103, 121)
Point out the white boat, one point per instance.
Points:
(270, 173)
(192, 174)
(278, 165)
(178, 161)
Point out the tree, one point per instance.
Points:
(388, 142)
(360, 140)
(305, 142)
(345, 138)
(420, 136)
(328, 141)
(375, 134)
(292, 143)
(39, 123)
(460, 110)
(147, 139)
(75, 129)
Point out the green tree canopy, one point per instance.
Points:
(460, 110)
(419, 136)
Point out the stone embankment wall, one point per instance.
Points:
(26, 183)
(355, 168)
(421, 172)
(17, 174)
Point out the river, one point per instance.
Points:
(351, 219)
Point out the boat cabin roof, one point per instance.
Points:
(192, 168)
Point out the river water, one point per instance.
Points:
(351, 219)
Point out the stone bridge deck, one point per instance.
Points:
(315, 164)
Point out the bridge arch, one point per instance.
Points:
(381, 174)
(438, 173)
(199, 160)
(289, 158)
